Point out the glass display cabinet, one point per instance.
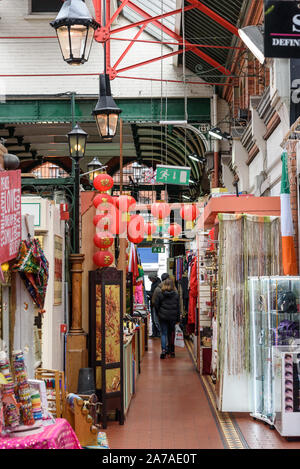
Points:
(286, 365)
(274, 321)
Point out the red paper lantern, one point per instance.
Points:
(125, 203)
(189, 212)
(103, 182)
(103, 239)
(97, 218)
(160, 210)
(106, 222)
(103, 198)
(103, 258)
(150, 228)
(174, 230)
(137, 239)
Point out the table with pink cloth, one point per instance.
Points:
(59, 435)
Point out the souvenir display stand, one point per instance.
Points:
(106, 339)
(207, 289)
(25, 422)
(275, 327)
(286, 367)
(249, 245)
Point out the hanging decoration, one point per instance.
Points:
(103, 239)
(33, 268)
(160, 210)
(189, 213)
(104, 199)
(174, 230)
(103, 182)
(136, 229)
(125, 203)
(150, 229)
(103, 258)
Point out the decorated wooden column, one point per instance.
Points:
(292, 169)
(77, 352)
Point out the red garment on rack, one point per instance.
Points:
(193, 294)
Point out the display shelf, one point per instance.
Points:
(274, 321)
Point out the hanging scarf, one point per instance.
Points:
(33, 268)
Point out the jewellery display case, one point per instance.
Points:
(274, 321)
(286, 365)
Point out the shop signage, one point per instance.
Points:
(173, 175)
(158, 249)
(10, 214)
(295, 90)
(282, 29)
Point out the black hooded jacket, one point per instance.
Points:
(167, 305)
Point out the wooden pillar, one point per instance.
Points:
(3, 151)
(77, 353)
(292, 170)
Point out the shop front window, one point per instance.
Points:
(45, 6)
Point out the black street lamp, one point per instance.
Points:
(77, 143)
(75, 30)
(95, 167)
(106, 112)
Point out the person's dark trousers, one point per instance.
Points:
(164, 328)
(171, 336)
(155, 323)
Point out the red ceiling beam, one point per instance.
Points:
(178, 38)
(129, 46)
(213, 15)
(150, 18)
(146, 62)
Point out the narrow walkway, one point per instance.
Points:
(174, 408)
(170, 409)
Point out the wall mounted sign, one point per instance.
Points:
(295, 90)
(282, 29)
(173, 174)
(10, 214)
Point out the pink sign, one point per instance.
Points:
(10, 214)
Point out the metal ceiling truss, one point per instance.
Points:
(104, 34)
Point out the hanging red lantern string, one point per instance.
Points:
(174, 230)
(189, 213)
(105, 223)
(97, 218)
(150, 229)
(103, 258)
(160, 210)
(103, 239)
(103, 199)
(103, 182)
(125, 203)
(136, 229)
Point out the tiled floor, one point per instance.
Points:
(171, 410)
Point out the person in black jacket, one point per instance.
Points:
(155, 323)
(168, 310)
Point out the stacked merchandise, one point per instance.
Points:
(22, 388)
(36, 405)
(10, 406)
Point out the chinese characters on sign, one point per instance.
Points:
(173, 175)
(10, 214)
(158, 249)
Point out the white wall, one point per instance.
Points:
(43, 56)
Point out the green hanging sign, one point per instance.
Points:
(179, 175)
(158, 249)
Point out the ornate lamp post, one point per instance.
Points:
(75, 29)
(106, 112)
